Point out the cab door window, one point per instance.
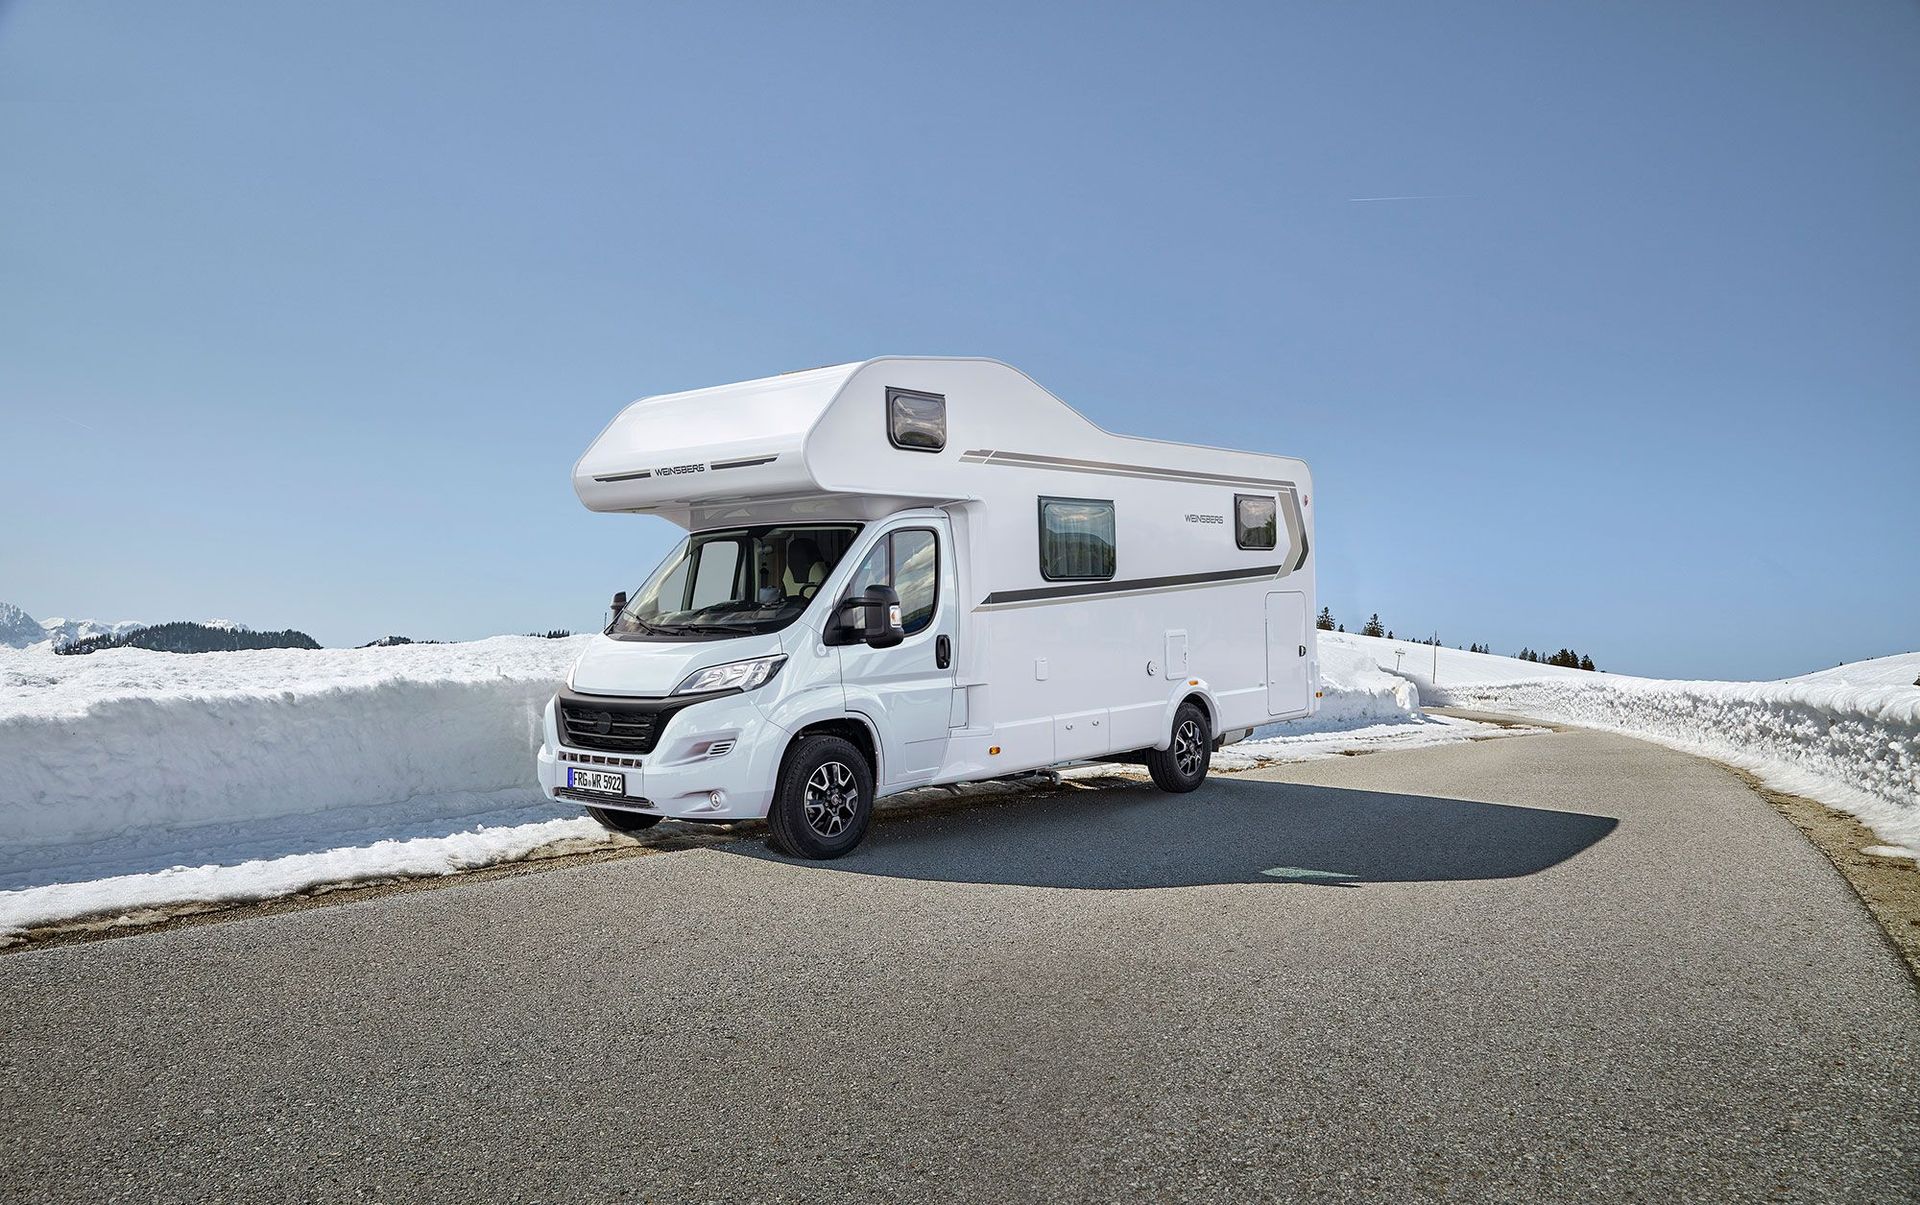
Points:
(909, 561)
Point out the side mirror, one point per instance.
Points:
(882, 630)
(619, 602)
(871, 618)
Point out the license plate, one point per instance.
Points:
(596, 780)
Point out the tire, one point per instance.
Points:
(1182, 765)
(622, 821)
(824, 800)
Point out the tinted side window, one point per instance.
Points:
(1256, 521)
(916, 422)
(1076, 539)
(916, 575)
(909, 561)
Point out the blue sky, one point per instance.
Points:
(306, 311)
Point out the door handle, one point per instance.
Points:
(942, 651)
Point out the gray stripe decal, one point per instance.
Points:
(625, 476)
(1107, 468)
(1001, 598)
(743, 463)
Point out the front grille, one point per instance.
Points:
(608, 725)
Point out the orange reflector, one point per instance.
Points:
(1319, 694)
(993, 750)
(1193, 681)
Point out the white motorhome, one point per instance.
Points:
(912, 571)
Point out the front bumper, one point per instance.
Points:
(692, 773)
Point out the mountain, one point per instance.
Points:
(20, 630)
(66, 631)
(17, 628)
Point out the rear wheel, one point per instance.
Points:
(1182, 765)
(623, 821)
(824, 801)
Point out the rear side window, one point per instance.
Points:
(916, 422)
(1256, 521)
(1076, 539)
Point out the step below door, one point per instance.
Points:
(1286, 652)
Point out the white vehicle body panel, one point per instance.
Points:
(1039, 672)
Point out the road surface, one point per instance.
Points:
(1571, 966)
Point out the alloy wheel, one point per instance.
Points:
(1188, 748)
(833, 795)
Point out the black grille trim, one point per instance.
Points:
(615, 724)
(623, 802)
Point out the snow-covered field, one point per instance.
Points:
(134, 780)
(1901, 669)
(1847, 737)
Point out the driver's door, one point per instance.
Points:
(907, 690)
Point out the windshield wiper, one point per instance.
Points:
(651, 629)
(747, 628)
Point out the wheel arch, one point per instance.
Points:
(854, 728)
(1193, 692)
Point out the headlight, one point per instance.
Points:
(734, 675)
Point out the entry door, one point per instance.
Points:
(1287, 646)
(910, 685)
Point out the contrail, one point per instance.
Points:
(1427, 196)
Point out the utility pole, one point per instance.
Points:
(1436, 657)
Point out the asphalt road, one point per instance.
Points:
(1565, 966)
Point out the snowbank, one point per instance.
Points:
(124, 741)
(135, 780)
(1853, 747)
(1354, 690)
(97, 746)
(1901, 669)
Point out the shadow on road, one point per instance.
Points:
(1231, 831)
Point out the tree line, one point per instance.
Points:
(1373, 627)
(188, 637)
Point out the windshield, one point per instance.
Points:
(740, 581)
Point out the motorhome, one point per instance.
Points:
(913, 571)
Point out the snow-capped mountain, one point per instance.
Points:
(17, 628)
(64, 631)
(20, 630)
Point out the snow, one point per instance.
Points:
(1901, 669)
(1844, 737)
(17, 628)
(139, 783)
(20, 630)
(61, 632)
(131, 740)
(138, 780)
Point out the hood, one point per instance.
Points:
(652, 667)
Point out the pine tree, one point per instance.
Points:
(1373, 627)
(1343, 627)
(1325, 622)
(1586, 663)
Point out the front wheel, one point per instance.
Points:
(1182, 765)
(621, 821)
(824, 800)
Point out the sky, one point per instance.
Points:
(1599, 325)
